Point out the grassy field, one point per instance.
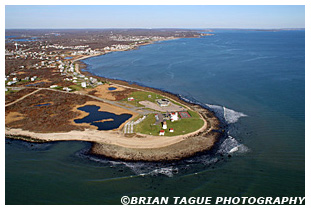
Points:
(144, 96)
(10, 91)
(181, 127)
(75, 87)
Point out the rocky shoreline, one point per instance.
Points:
(185, 146)
(138, 147)
(189, 146)
(175, 148)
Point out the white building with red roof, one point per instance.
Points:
(174, 116)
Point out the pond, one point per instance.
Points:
(35, 84)
(19, 39)
(102, 120)
(46, 104)
(112, 88)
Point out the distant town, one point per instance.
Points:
(31, 54)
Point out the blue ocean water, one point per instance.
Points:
(253, 80)
(13, 39)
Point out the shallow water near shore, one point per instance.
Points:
(253, 80)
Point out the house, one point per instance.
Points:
(164, 125)
(174, 116)
(11, 82)
(67, 89)
(53, 86)
(130, 99)
(83, 84)
(162, 132)
(33, 78)
(171, 130)
(93, 80)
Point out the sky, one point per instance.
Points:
(174, 16)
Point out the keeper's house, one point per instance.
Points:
(174, 116)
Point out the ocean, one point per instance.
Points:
(253, 80)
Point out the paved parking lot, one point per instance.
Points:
(171, 108)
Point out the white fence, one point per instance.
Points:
(129, 126)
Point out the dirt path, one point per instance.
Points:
(21, 98)
(107, 137)
(129, 107)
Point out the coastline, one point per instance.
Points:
(110, 51)
(138, 147)
(186, 146)
(114, 144)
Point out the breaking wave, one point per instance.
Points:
(231, 145)
(227, 115)
(138, 168)
(225, 148)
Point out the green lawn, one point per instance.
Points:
(75, 87)
(182, 126)
(142, 96)
(10, 91)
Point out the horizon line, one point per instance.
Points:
(281, 28)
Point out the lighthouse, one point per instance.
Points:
(164, 125)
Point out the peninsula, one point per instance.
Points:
(49, 98)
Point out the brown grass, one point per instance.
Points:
(57, 117)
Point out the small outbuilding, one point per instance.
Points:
(163, 102)
(162, 132)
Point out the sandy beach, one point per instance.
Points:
(114, 143)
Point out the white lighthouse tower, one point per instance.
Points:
(164, 125)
